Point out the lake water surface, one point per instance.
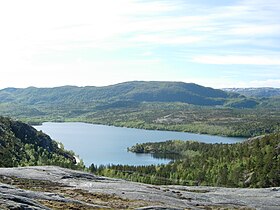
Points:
(100, 144)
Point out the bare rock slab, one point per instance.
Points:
(51, 187)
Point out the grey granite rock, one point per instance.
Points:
(147, 196)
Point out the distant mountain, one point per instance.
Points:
(123, 94)
(21, 145)
(255, 92)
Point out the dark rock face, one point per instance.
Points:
(15, 135)
(29, 135)
(52, 187)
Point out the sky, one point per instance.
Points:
(215, 43)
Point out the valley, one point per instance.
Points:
(173, 106)
(165, 106)
(137, 104)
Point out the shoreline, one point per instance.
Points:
(137, 127)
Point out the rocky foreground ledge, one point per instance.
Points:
(50, 187)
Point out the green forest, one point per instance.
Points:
(253, 163)
(174, 106)
(22, 145)
(157, 116)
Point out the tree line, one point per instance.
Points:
(253, 163)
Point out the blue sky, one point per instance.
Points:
(88, 42)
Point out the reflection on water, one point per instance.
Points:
(167, 156)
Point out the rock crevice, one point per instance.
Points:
(50, 187)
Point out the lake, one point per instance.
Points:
(101, 144)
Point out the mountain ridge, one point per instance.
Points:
(255, 92)
(137, 91)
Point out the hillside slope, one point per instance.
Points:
(136, 91)
(251, 163)
(21, 145)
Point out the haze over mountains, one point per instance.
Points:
(256, 92)
(128, 92)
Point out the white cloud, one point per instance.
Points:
(158, 39)
(58, 23)
(34, 31)
(80, 72)
(255, 30)
(236, 59)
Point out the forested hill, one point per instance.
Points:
(137, 91)
(22, 145)
(252, 163)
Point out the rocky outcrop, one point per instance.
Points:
(49, 187)
(21, 144)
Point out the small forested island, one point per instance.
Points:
(252, 163)
(173, 106)
(37, 186)
(161, 104)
